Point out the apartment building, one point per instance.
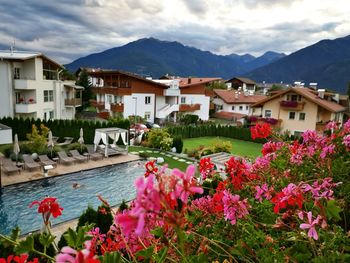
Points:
(30, 87)
(298, 109)
(119, 92)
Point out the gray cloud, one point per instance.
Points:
(68, 29)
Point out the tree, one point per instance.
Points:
(216, 85)
(275, 87)
(349, 89)
(67, 75)
(84, 81)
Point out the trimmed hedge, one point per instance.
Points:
(62, 128)
(228, 131)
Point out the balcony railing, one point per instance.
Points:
(189, 107)
(73, 102)
(26, 107)
(273, 122)
(112, 90)
(99, 105)
(117, 107)
(292, 105)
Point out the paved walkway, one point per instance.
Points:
(26, 175)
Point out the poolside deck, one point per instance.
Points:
(26, 175)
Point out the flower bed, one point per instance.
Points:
(290, 205)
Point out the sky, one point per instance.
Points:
(68, 29)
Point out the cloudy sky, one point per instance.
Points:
(68, 29)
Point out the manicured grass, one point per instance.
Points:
(168, 160)
(240, 148)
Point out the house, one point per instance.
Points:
(298, 109)
(31, 88)
(125, 93)
(244, 84)
(235, 105)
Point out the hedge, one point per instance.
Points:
(213, 130)
(62, 128)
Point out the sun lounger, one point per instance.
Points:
(119, 149)
(46, 161)
(92, 154)
(64, 158)
(67, 140)
(30, 163)
(9, 167)
(77, 156)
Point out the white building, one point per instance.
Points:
(155, 100)
(235, 105)
(30, 87)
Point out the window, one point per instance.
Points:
(51, 115)
(247, 107)
(183, 100)
(147, 100)
(302, 116)
(253, 110)
(294, 97)
(240, 107)
(147, 115)
(118, 99)
(16, 73)
(268, 114)
(48, 95)
(291, 115)
(233, 108)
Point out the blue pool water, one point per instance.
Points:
(113, 183)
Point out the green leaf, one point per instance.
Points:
(76, 239)
(25, 246)
(146, 253)
(333, 210)
(114, 257)
(15, 233)
(161, 255)
(157, 232)
(46, 239)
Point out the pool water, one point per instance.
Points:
(113, 183)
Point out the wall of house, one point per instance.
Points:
(204, 101)
(6, 98)
(160, 102)
(6, 136)
(141, 108)
(38, 68)
(245, 108)
(28, 69)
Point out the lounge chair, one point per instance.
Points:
(92, 154)
(67, 140)
(29, 162)
(118, 149)
(77, 156)
(64, 158)
(46, 161)
(8, 166)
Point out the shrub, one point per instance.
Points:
(159, 139)
(123, 206)
(104, 218)
(178, 144)
(89, 216)
(221, 146)
(81, 148)
(189, 119)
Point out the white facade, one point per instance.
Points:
(5, 134)
(241, 108)
(202, 100)
(32, 90)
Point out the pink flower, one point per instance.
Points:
(233, 207)
(186, 185)
(332, 125)
(346, 126)
(311, 226)
(329, 149)
(346, 141)
(70, 255)
(263, 191)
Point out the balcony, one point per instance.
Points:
(99, 105)
(275, 123)
(172, 92)
(117, 107)
(25, 84)
(73, 102)
(292, 105)
(26, 107)
(112, 90)
(320, 126)
(189, 107)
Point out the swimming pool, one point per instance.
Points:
(114, 183)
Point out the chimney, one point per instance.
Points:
(336, 97)
(236, 95)
(189, 80)
(321, 93)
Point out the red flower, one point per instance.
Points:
(206, 167)
(290, 197)
(236, 169)
(47, 207)
(260, 131)
(151, 168)
(18, 259)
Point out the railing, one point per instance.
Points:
(292, 105)
(320, 126)
(99, 105)
(73, 102)
(112, 90)
(26, 107)
(189, 107)
(167, 110)
(117, 107)
(273, 122)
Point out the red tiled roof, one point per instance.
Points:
(228, 115)
(244, 80)
(309, 95)
(187, 82)
(229, 97)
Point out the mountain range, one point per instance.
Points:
(326, 62)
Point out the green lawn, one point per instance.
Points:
(168, 160)
(240, 148)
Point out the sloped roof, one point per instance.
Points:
(187, 82)
(228, 115)
(244, 80)
(309, 95)
(229, 97)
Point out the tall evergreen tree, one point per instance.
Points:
(84, 81)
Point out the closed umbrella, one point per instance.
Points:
(50, 142)
(16, 147)
(81, 139)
